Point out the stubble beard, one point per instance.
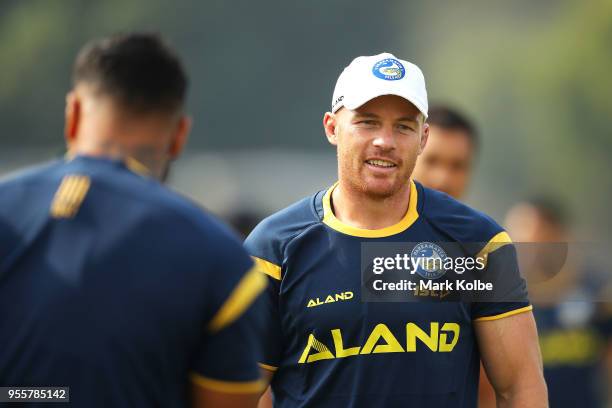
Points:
(353, 179)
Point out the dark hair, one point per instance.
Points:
(138, 70)
(550, 209)
(450, 119)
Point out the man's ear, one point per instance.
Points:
(180, 136)
(330, 124)
(424, 137)
(72, 118)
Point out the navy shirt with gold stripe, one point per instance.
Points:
(349, 353)
(122, 290)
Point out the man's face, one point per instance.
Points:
(525, 223)
(378, 144)
(446, 163)
(540, 243)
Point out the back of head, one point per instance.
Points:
(127, 102)
(138, 71)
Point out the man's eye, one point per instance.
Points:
(405, 127)
(367, 122)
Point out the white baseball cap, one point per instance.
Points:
(371, 76)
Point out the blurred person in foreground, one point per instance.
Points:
(343, 352)
(110, 283)
(574, 329)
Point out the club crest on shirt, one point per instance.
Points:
(429, 259)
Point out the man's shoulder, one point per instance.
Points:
(135, 198)
(178, 215)
(23, 192)
(456, 219)
(271, 235)
(30, 174)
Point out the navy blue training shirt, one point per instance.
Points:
(328, 348)
(124, 291)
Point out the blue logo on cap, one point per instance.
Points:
(389, 69)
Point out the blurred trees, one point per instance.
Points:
(534, 75)
(262, 72)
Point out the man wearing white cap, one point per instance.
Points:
(330, 345)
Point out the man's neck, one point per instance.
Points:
(360, 210)
(106, 131)
(143, 154)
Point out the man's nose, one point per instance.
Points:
(384, 139)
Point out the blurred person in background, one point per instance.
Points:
(110, 283)
(447, 161)
(446, 165)
(344, 353)
(242, 220)
(574, 329)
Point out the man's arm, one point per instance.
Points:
(266, 400)
(206, 398)
(511, 356)
(245, 396)
(486, 393)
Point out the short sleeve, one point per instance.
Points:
(227, 359)
(509, 294)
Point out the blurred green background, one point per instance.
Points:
(535, 76)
